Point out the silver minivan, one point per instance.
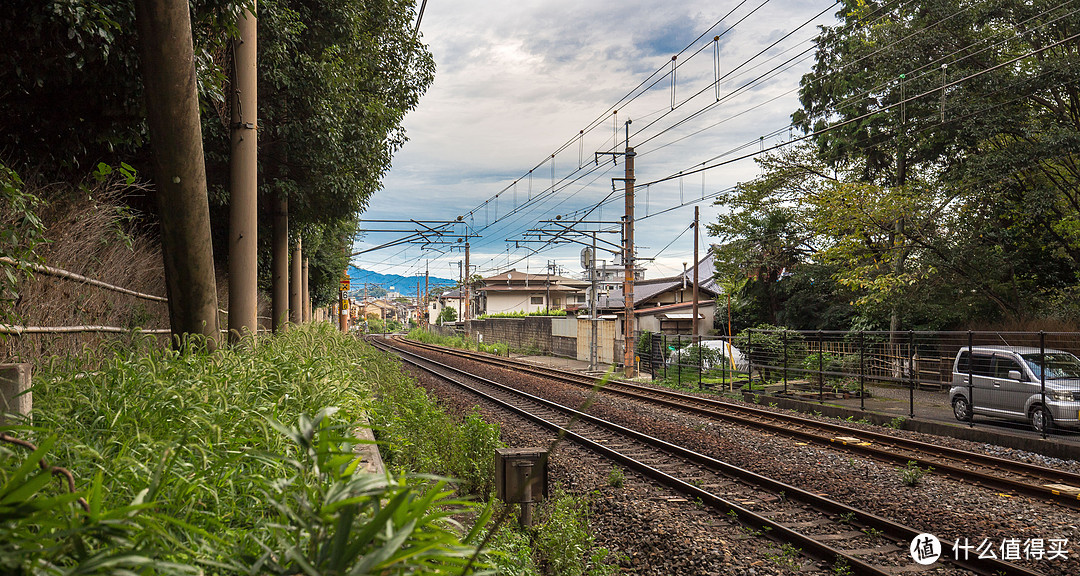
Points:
(1006, 382)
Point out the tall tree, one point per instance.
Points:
(172, 110)
(979, 101)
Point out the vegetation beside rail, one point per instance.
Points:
(241, 462)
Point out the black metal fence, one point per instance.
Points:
(1013, 379)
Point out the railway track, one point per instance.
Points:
(1000, 474)
(851, 540)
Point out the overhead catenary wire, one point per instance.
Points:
(559, 186)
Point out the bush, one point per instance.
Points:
(563, 540)
(764, 345)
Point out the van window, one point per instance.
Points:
(1058, 365)
(1002, 366)
(984, 364)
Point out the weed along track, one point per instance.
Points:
(841, 537)
(1002, 475)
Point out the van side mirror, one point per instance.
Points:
(1014, 375)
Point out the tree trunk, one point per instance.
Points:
(280, 265)
(172, 110)
(243, 201)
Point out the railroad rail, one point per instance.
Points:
(768, 507)
(1000, 474)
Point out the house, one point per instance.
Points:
(380, 309)
(666, 304)
(451, 299)
(515, 291)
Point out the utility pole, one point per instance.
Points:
(628, 262)
(427, 292)
(467, 288)
(592, 306)
(343, 298)
(547, 286)
(694, 322)
(305, 295)
(296, 310)
(243, 184)
(167, 62)
(279, 265)
(628, 254)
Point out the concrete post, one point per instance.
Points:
(15, 395)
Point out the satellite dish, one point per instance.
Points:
(586, 257)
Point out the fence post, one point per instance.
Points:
(862, 373)
(678, 358)
(663, 352)
(700, 360)
(783, 337)
(749, 362)
(971, 380)
(15, 394)
(821, 366)
(911, 373)
(1042, 377)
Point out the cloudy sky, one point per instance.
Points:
(520, 81)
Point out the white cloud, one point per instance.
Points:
(516, 80)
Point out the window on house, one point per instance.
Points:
(557, 302)
(537, 300)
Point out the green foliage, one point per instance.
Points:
(563, 540)
(44, 528)
(643, 347)
(616, 478)
(195, 439)
(332, 520)
(447, 315)
(544, 312)
(21, 232)
(911, 474)
(910, 207)
(765, 345)
(416, 435)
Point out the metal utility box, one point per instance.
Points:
(514, 467)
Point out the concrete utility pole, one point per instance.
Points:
(592, 306)
(172, 112)
(628, 263)
(296, 309)
(694, 322)
(468, 290)
(427, 292)
(305, 296)
(279, 265)
(344, 305)
(243, 185)
(547, 287)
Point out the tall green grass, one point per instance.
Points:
(227, 463)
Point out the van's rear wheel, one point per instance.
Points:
(961, 409)
(1041, 420)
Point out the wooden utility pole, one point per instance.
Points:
(172, 113)
(296, 309)
(243, 185)
(694, 322)
(279, 265)
(628, 263)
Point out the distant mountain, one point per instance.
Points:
(378, 284)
